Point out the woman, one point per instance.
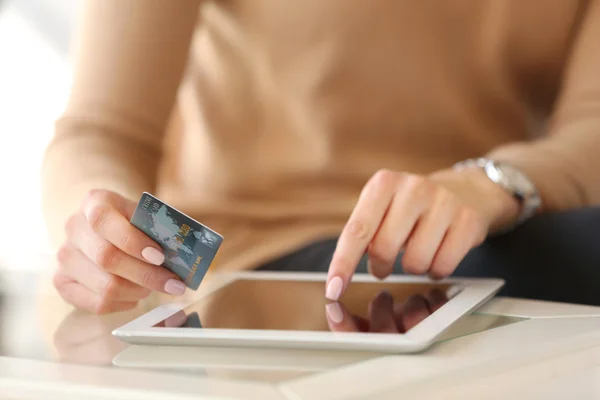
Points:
(403, 128)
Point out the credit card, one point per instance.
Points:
(189, 246)
(193, 321)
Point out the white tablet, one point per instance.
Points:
(401, 314)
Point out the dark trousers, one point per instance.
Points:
(553, 257)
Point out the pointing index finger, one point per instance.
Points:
(359, 231)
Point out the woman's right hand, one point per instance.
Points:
(106, 264)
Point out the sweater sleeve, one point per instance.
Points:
(565, 163)
(129, 60)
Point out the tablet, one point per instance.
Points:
(400, 314)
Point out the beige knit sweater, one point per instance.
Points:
(263, 119)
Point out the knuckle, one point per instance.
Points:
(358, 229)
(94, 195)
(97, 215)
(62, 285)
(63, 255)
(58, 282)
(71, 224)
(446, 204)
(384, 177)
(124, 242)
(420, 188)
(413, 181)
(148, 278)
(111, 289)
(445, 198)
(107, 256)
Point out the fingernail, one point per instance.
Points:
(334, 288)
(334, 312)
(153, 256)
(175, 287)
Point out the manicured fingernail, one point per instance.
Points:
(175, 287)
(334, 288)
(153, 256)
(334, 312)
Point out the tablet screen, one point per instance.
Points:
(368, 307)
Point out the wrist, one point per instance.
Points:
(500, 208)
(511, 180)
(504, 209)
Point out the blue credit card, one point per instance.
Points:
(189, 246)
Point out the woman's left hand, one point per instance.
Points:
(435, 219)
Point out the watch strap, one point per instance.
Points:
(529, 202)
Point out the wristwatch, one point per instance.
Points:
(512, 180)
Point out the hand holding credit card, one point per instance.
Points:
(189, 246)
(106, 264)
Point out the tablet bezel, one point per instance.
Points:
(473, 293)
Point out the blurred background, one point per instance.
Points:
(35, 38)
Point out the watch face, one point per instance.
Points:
(516, 179)
(517, 184)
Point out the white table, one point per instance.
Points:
(523, 350)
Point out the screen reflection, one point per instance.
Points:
(373, 307)
(384, 314)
